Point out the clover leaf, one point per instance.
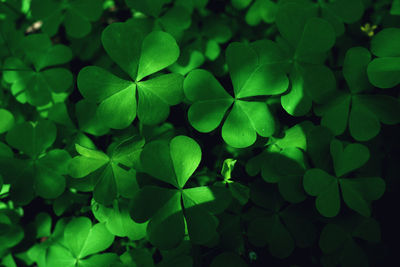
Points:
(118, 221)
(76, 15)
(285, 167)
(43, 172)
(362, 112)
(6, 120)
(339, 241)
(306, 39)
(261, 10)
(279, 227)
(383, 71)
(357, 193)
(111, 180)
(139, 56)
(11, 232)
(263, 76)
(174, 162)
(80, 241)
(37, 78)
(339, 12)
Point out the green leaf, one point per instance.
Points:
(292, 18)
(6, 120)
(50, 170)
(32, 139)
(167, 228)
(318, 36)
(386, 43)
(156, 161)
(116, 96)
(159, 50)
(227, 168)
(349, 158)
(354, 69)
(210, 99)
(185, 156)
(157, 95)
(384, 72)
(88, 161)
(359, 192)
(296, 101)
(40, 51)
(325, 187)
(271, 231)
(201, 225)
(395, 9)
(83, 239)
(363, 123)
(118, 221)
(253, 117)
(123, 43)
(256, 77)
(336, 113)
(332, 238)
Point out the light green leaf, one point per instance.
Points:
(157, 95)
(159, 50)
(211, 101)
(185, 156)
(6, 120)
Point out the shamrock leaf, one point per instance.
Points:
(339, 241)
(261, 77)
(43, 172)
(118, 221)
(11, 232)
(383, 71)
(37, 79)
(111, 179)
(80, 240)
(261, 10)
(174, 162)
(362, 112)
(278, 227)
(43, 225)
(76, 15)
(306, 39)
(285, 167)
(6, 120)
(357, 193)
(139, 56)
(341, 11)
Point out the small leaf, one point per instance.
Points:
(348, 159)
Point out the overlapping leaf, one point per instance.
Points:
(263, 76)
(43, 172)
(357, 193)
(110, 179)
(36, 79)
(363, 113)
(139, 55)
(76, 15)
(174, 162)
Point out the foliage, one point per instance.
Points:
(199, 132)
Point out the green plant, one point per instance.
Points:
(199, 132)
